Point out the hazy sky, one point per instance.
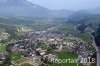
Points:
(68, 4)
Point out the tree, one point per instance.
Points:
(81, 27)
(97, 36)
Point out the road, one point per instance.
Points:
(97, 51)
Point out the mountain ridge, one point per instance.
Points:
(25, 8)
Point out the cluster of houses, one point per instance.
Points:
(4, 36)
(3, 56)
(52, 38)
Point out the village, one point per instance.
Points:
(40, 47)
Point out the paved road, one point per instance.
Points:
(97, 50)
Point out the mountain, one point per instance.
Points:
(28, 9)
(96, 11)
(80, 14)
(12, 21)
(61, 13)
(22, 8)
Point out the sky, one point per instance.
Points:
(68, 4)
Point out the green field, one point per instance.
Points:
(26, 64)
(67, 29)
(2, 47)
(85, 37)
(41, 45)
(64, 55)
(67, 41)
(2, 30)
(21, 60)
(15, 56)
(94, 21)
(90, 49)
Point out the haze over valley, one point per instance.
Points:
(47, 32)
